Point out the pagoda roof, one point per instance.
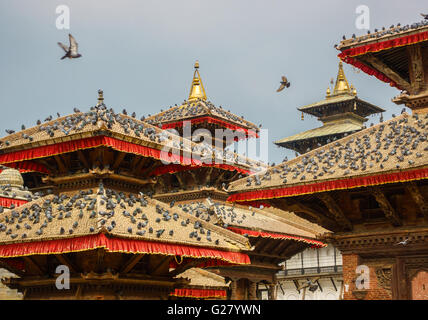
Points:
(85, 130)
(342, 93)
(87, 219)
(389, 152)
(203, 278)
(383, 53)
(329, 129)
(255, 222)
(317, 107)
(198, 109)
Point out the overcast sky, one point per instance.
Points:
(141, 53)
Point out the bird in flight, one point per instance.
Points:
(284, 83)
(425, 16)
(72, 51)
(404, 242)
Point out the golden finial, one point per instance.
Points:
(197, 90)
(341, 85)
(100, 97)
(303, 118)
(328, 92)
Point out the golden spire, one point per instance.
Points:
(100, 97)
(197, 90)
(341, 85)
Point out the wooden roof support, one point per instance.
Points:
(131, 263)
(60, 164)
(160, 265)
(6, 266)
(297, 206)
(100, 259)
(382, 67)
(139, 165)
(414, 191)
(183, 267)
(386, 206)
(180, 180)
(208, 175)
(281, 246)
(334, 284)
(62, 258)
(83, 159)
(220, 177)
(194, 176)
(118, 160)
(416, 68)
(33, 265)
(334, 208)
(266, 255)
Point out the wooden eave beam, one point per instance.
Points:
(418, 198)
(60, 164)
(160, 265)
(382, 67)
(131, 263)
(34, 266)
(334, 209)
(6, 266)
(386, 206)
(62, 258)
(83, 159)
(118, 160)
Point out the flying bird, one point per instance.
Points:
(425, 16)
(404, 242)
(284, 83)
(72, 51)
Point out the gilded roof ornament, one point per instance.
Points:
(100, 97)
(342, 85)
(197, 90)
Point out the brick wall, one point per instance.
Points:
(375, 291)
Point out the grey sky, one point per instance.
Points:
(141, 53)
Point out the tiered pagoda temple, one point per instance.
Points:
(90, 212)
(369, 187)
(199, 113)
(341, 113)
(201, 192)
(107, 200)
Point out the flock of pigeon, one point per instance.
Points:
(100, 115)
(193, 109)
(90, 211)
(387, 32)
(398, 143)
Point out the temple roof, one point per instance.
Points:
(384, 53)
(329, 129)
(197, 106)
(392, 147)
(89, 212)
(341, 112)
(342, 93)
(101, 121)
(203, 278)
(384, 34)
(248, 218)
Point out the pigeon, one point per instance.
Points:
(284, 83)
(425, 16)
(404, 242)
(70, 52)
(10, 131)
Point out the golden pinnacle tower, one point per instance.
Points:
(341, 113)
